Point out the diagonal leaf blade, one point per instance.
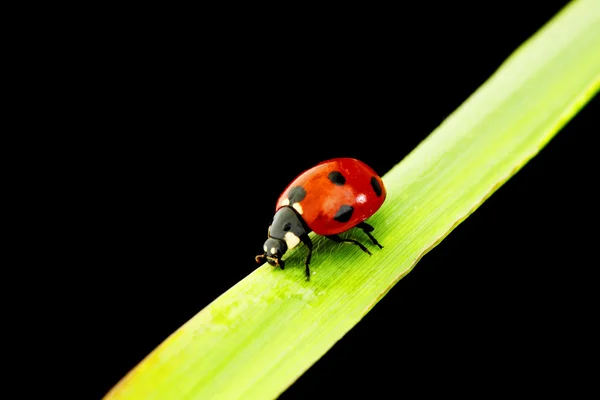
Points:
(262, 334)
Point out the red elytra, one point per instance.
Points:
(328, 188)
(329, 198)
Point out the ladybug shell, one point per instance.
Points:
(335, 195)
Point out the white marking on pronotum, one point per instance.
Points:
(273, 250)
(291, 240)
(285, 202)
(298, 208)
(265, 248)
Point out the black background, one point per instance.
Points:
(197, 130)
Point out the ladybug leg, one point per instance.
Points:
(338, 239)
(367, 229)
(308, 243)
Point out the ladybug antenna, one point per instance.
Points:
(280, 263)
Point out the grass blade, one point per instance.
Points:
(263, 333)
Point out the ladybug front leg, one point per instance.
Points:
(308, 243)
(367, 229)
(338, 239)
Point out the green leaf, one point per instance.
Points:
(257, 338)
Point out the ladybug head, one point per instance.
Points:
(274, 250)
(285, 233)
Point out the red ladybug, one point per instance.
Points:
(330, 198)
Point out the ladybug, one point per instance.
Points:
(328, 199)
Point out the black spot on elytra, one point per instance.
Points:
(336, 178)
(376, 186)
(296, 194)
(344, 213)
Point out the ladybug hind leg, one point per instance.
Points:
(338, 239)
(367, 229)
